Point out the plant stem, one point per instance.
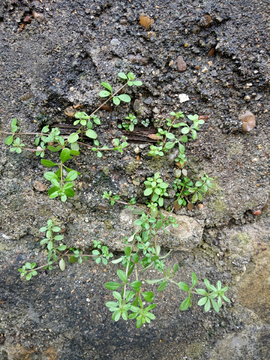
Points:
(105, 102)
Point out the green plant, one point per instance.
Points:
(62, 184)
(142, 250)
(155, 187)
(145, 122)
(129, 126)
(130, 78)
(169, 140)
(185, 188)
(101, 254)
(57, 253)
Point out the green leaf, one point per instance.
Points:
(116, 100)
(54, 149)
(202, 301)
(225, 298)
(201, 292)
(169, 145)
(107, 86)
(137, 83)
(91, 134)
(112, 285)
(28, 276)
(148, 296)
(14, 127)
(183, 286)
(65, 155)
(51, 176)
(185, 130)
(104, 93)
(127, 250)
(73, 259)
(215, 305)
(136, 285)
(72, 175)
(58, 237)
(194, 134)
(194, 279)
(116, 261)
(75, 146)
(207, 306)
(117, 296)
(207, 284)
(162, 286)
(185, 304)
(68, 185)
(175, 268)
(9, 140)
(62, 248)
(112, 304)
(148, 191)
(170, 136)
(121, 274)
(62, 264)
(124, 97)
(73, 138)
(116, 315)
(54, 194)
(135, 258)
(53, 189)
(122, 75)
(48, 163)
(155, 281)
(28, 266)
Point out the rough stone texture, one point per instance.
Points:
(50, 65)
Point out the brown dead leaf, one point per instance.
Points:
(39, 186)
(69, 111)
(190, 206)
(154, 136)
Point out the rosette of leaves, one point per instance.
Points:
(61, 187)
(156, 188)
(129, 126)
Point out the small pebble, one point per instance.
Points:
(123, 21)
(256, 212)
(181, 65)
(138, 59)
(211, 52)
(38, 16)
(249, 121)
(200, 206)
(183, 98)
(146, 21)
(27, 19)
(115, 42)
(205, 21)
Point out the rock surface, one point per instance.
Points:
(57, 61)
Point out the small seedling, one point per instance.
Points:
(130, 125)
(145, 122)
(130, 78)
(185, 188)
(156, 188)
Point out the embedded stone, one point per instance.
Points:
(249, 121)
(146, 21)
(181, 65)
